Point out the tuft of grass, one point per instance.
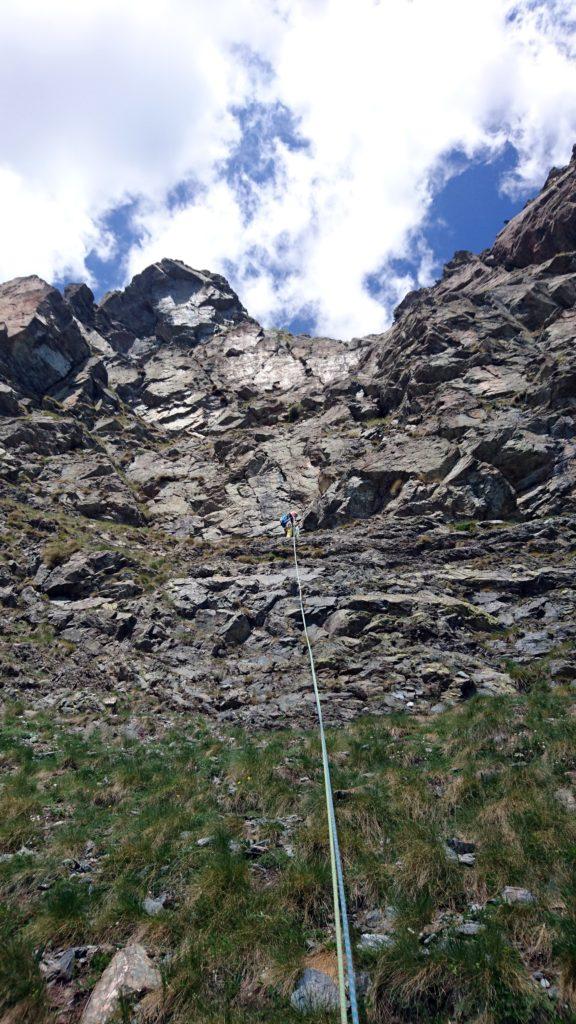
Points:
(465, 526)
(457, 979)
(58, 551)
(564, 949)
(20, 807)
(528, 677)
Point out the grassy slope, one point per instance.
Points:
(236, 933)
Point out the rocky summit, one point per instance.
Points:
(150, 443)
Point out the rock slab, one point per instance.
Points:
(131, 974)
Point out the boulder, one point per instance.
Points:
(79, 576)
(130, 974)
(525, 459)
(346, 622)
(237, 629)
(315, 992)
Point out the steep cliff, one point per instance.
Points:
(151, 648)
(150, 444)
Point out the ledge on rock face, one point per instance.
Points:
(174, 302)
(545, 227)
(40, 341)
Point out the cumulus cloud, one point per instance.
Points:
(104, 102)
(311, 134)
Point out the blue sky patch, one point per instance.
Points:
(467, 213)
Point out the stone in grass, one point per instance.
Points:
(154, 906)
(372, 941)
(204, 841)
(461, 845)
(315, 991)
(379, 921)
(566, 797)
(470, 928)
(60, 966)
(467, 859)
(512, 894)
(131, 974)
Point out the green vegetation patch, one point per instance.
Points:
(225, 833)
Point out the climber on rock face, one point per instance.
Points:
(289, 523)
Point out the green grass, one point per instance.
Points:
(465, 526)
(236, 929)
(463, 979)
(21, 983)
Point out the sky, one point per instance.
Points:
(326, 156)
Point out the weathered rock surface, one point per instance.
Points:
(315, 992)
(512, 894)
(129, 974)
(546, 226)
(40, 340)
(149, 445)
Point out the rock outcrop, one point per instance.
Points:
(150, 443)
(546, 226)
(41, 342)
(129, 975)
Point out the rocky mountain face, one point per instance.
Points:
(150, 443)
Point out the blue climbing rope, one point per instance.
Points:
(339, 893)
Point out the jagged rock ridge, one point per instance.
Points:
(149, 444)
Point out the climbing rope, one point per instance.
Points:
(338, 892)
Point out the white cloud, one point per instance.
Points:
(107, 101)
(117, 100)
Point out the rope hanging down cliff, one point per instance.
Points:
(338, 891)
